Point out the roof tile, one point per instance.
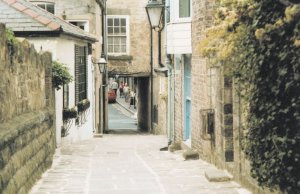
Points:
(9, 1)
(31, 13)
(43, 19)
(53, 25)
(19, 6)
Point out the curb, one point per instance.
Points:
(130, 111)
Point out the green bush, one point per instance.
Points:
(60, 75)
(259, 42)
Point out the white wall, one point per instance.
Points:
(179, 31)
(179, 38)
(63, 50)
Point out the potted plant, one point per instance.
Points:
(69, 113)
(83, 105)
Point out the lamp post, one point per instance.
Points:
(102, 63)
(155, 15)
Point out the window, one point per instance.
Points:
(84, 25)
(184, 8)
(80, 73)
(117, 34)
(45, 5)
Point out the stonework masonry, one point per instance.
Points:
(137, 59)
(214, 103)
(27, 134)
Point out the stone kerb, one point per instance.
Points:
(27, 133)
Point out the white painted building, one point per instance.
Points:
(69, 45)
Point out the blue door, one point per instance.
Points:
(187, 97)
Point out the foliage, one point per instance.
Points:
(69, 113)
(83, 105)
(258, 41)
(60, 75)
(11, 39)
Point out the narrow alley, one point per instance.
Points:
(127, 164)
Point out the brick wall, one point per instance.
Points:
(27, 134)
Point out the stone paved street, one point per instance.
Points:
(127, 164)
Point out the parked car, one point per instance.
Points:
(111, 96)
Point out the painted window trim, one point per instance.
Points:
(174, 15)
(86, 25)
(127, 34)
(45, 3)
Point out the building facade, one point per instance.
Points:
(130, 57)
(206, 105)
(70, 45)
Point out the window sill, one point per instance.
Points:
(120, 57)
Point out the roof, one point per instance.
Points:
(23, 16)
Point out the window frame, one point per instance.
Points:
(84, 22)
(174, 13)
(126, 17)
(46, 3)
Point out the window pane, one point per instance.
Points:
(184, 8)
(50, 8)
(123, 31)
(116, 30)
(109, 22)
(110, 49)
(123, 22)
(117, 49)
(123, 49)
(110, 40)
(110, 30)
(43, 6)
(123, 40)
(117, 41)
(116, 22)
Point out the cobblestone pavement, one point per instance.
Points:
(127, 164)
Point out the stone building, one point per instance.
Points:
(207, 116)
(87, 15)
(129, 57)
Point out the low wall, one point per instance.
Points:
(27, 133)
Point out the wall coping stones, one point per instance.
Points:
(18, 125)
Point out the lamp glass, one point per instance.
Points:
(102, 63)
(154, 10)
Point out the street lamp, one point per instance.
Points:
(102, 64)
(155, 13)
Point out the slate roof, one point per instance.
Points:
(24, 17)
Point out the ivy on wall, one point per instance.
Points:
(258, 42)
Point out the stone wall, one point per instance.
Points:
(27, 134)
(137, 60)
(213, 92)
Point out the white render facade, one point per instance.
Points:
(58, 47)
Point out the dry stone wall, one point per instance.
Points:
(27, 135)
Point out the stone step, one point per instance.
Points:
(215, 175)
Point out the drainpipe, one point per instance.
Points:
(104, 55)
(151, 79)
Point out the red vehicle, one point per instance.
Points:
(111, 96)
